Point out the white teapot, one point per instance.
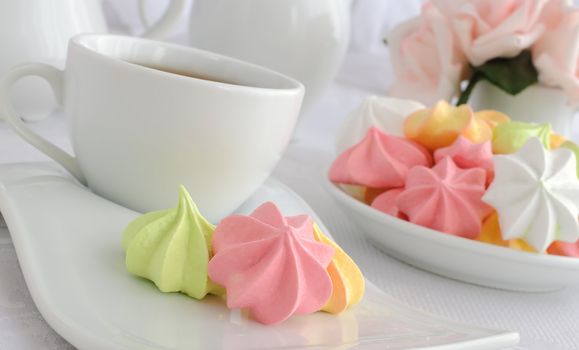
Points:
(305, 39)
(38, 30)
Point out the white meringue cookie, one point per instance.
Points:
(536, 195)
(385, 113)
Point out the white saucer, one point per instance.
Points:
(68, 244)
(459, 258)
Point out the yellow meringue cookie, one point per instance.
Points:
(355, 191)
(347, 279)
(491, 117)
(556, 140)
(491, 233)
(441, 125)
(362, 193)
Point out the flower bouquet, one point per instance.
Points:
(520, 57)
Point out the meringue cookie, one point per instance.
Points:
(355, 191)
(172, 248)
(378, 161)
(536, 195)
(564, 249)
(575, 148)
(362, 193)
(491, 233)
(556, 140)
(441, 125)
(347, 280)
(468, 155)
(510, 137)
(271, 265)
(387, 203)
(445, 198)
(385, 113)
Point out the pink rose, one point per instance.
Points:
(488, 29)
(556, 57)
(428, 64)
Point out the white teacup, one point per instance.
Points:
(146, 116)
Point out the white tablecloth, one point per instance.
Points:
(544, 320)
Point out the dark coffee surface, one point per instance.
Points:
(190, 74)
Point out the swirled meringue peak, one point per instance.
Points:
(378, 161)
(510, 137)
(347, 280)
(536, 195)
(385, 113)
(445, 198)
(271, 265)
(172, 248)
(467, 154)
(441, 125)
(387, 202)
(573, 147)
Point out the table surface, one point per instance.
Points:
(544, 320)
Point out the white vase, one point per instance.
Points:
(305, 39)
(536, 104)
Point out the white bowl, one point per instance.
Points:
(456, 257)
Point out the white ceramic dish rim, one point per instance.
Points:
(560, 262)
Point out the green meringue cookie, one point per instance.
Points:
(575, 148)
(172, 248)
(509, 137)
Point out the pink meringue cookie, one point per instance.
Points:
(467, 154)
(387, 203)
(446, 198)
(564, 249)
(378, 161)
(270, 264)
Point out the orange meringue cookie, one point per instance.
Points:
(371, 194)
(491, 233)
(556, 140)
(348, 283)
(441, 125)
(491, 117)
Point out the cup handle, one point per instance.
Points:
(55, 78)
(165, 24)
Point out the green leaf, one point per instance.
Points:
(512, 75)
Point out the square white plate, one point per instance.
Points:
(68, 245)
